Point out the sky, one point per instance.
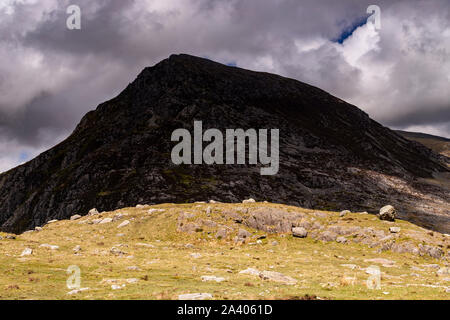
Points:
(398, 71)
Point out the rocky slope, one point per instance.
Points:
(225, 251)
(332, 155)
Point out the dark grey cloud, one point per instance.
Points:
(50, 76)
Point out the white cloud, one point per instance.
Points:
(49, 77)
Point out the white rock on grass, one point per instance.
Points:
(299, 232)
(348, 265)
(117, 286)
(52, 221)
(251, 271)
(343, 213)
(277, 277)
(195, 296)
(384, 262)
(212, 278)
(146, 245)
(251, 200)
(77, 291)
(93, 212)
(195, 255)
(387, 213)
(150, 211)
(123, 224)
(49, 246)
(106, 220)
(75, 217)
(133, 268)
(342, 240)
(26, 252)
(394, 229)
(132, 280)
(117, 217)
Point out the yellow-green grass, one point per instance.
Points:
(168, 269)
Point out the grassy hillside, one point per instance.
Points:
(148, 258)
(438, 144)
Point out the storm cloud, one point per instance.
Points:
(51, 76)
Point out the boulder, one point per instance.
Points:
(236, 217)
(189, 227)
(93, 212)
(142, 206)
(327, 236)
(212, 278)
(117, 217)
(319, 214)
(387, 213)
(106, 220)
(394, 229)
(277, 277)
(342, 240)
(344, 213)
(299, 232)
(221, 233)
(249, 201)
(243, 234)
(26, 252)
(251, 271)
(273, 220)
(75, 217)
(123, 224)
(434, 252)
(49, 246)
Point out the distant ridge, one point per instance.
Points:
(437, 144)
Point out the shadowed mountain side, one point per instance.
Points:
(332, 155)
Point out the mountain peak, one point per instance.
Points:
(332, 155)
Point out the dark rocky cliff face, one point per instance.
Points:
(332, 155)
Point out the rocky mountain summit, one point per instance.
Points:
(332, 155)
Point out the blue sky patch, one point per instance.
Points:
(24, 156)
(347, 32)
